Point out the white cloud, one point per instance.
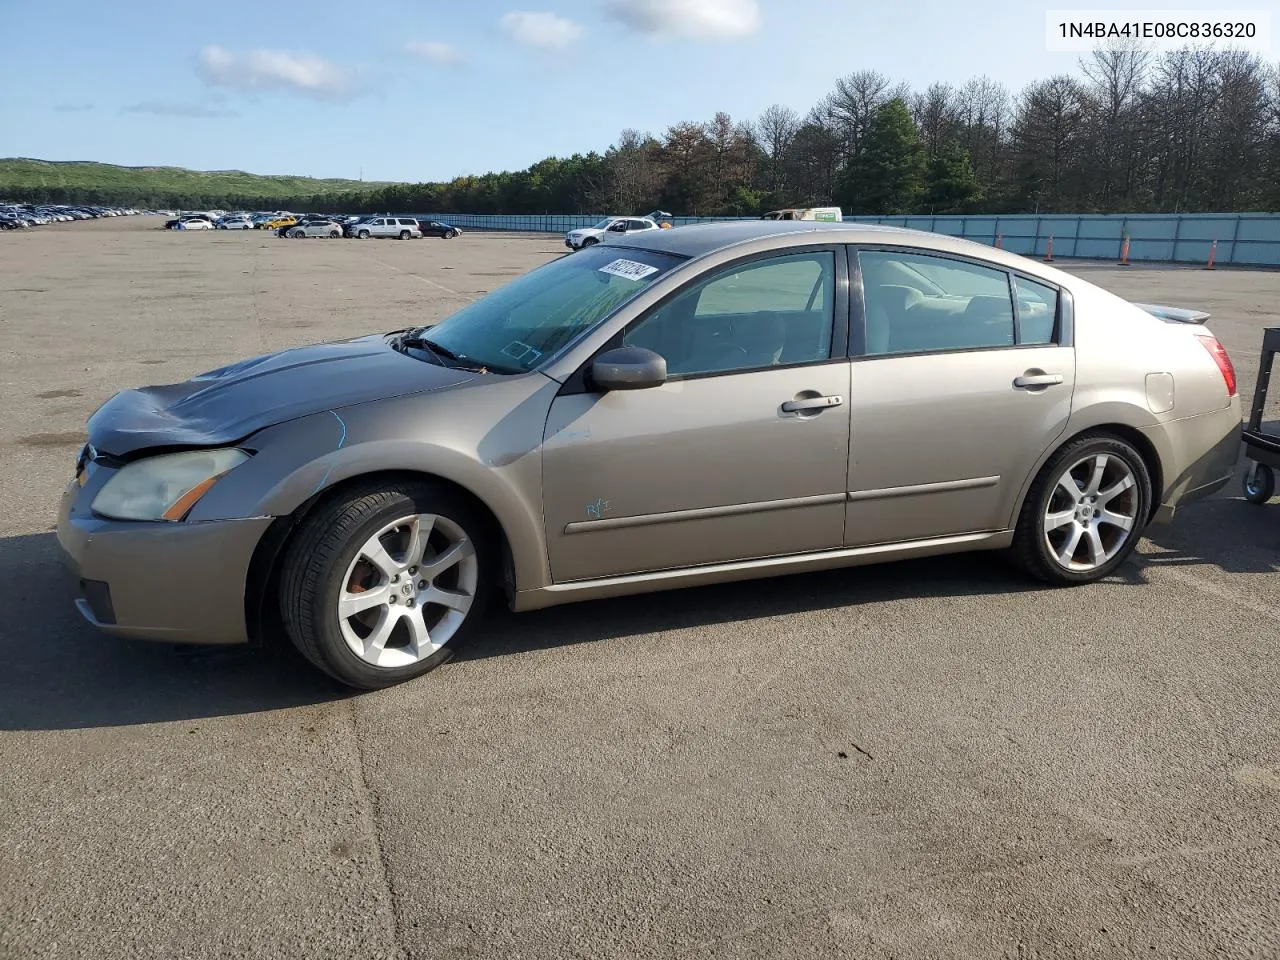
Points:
(275, 70)
(543, 30)
(697, 19)
(436, 52)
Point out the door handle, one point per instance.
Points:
(812, 403)
(1037, 380)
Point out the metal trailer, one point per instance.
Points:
(1262, 449)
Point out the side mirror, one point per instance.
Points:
(628, 368)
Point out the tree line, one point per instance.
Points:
(1192, 130)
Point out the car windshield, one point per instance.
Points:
(516, 326)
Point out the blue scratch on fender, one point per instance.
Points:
(341, 441)
(598, 508)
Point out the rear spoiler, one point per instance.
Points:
(1174, 314)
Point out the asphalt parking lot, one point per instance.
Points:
(928, 759)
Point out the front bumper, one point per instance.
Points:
(175, 582)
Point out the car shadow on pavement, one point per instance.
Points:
(60, 673)
(967, 575)
(1226, 532)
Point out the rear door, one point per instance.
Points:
(962, 378)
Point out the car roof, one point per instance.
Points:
(700, 238)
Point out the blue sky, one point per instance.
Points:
(430, 89)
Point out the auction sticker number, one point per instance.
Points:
(630, 269)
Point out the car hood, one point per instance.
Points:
(232, 402)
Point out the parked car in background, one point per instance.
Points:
(235, 223)
(434, 228)
(313, 228)
(194, 223)
(821, 214)
(609, 226)
(275, 223)
(403, 228)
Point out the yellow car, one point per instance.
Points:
(278, 222)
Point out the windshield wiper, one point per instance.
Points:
(456, 360)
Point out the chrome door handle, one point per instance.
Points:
(812, 403)
(1037, 380)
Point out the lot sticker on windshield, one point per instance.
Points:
(630, 269)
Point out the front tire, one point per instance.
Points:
(363, 234)
(589, 242)
(1085, 512)
(383, 584)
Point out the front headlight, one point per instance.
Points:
(165, 487)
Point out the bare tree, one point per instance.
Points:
(937, 114)
(1046, 142)
(984, 108)
(853, 105)
(1116, 74)
(776, 132)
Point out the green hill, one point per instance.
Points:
(86, 181)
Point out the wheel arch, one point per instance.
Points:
(1116, 428)
(262, 614)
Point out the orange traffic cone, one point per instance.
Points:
(999, 237)
(1048, 257)
(1124, 253)
(1213, 255)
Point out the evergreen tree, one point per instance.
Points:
(887, 176)
(950, 186)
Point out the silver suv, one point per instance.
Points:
(403, 227)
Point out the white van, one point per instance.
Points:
(824, 214)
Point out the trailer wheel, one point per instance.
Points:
(1259, 483)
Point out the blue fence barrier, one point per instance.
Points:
(1251, 239)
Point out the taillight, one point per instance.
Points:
(1220, 357)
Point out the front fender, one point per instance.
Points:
(487, 439)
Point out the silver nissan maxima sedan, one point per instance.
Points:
(666, 409)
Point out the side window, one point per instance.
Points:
(1037, 311)
(765, 313)
(918, 303)
(637, 225)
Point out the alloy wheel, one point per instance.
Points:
(1091, 512)
(408, 590)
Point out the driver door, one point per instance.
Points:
(741, 454)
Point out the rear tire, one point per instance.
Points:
(335, 234)
(1085, 512)
(327, 564)
(404, 234)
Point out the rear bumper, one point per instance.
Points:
(175, 582)
(1199, 455)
